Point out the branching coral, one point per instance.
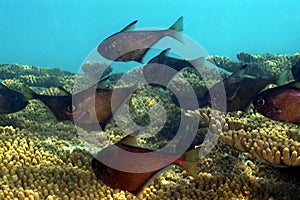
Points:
(271, 142)
(41, 158)
(36, 76)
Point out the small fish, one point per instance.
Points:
(159, 68)
(132, 45)
(139, 157)
(280, 103)
(93, 105)
(296, 70)
(11, 101)
(241, 90)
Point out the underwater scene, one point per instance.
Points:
(149, 100)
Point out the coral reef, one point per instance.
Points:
(42, 158)
(265, 65)
(36, 76)
(270, 142)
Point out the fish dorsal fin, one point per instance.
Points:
(239, 73)
(164, 52)
(129, 26)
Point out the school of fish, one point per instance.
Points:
(94, 105)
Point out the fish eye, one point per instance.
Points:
(70, 108)
(260, 101)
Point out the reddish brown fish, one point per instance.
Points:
(128, 44)
(280, 103)
(95, 105)
(241, 89)
(91, 106)
(137, 159)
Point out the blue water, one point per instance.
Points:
(61, 33)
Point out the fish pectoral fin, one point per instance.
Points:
(234, 94)
(130, 140)
(191, 161)
(129, 26)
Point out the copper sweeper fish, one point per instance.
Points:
(132, 45)
(280, 103)
(91, 106)
(241, 89)
(158, 68)
(136, 158)
(11, 101)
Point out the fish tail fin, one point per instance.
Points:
(191, 161)
(281, 79)
(198, 62)
(178, 27)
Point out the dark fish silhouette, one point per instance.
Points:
(128, 44)
(241, 90)
(158, 68)
(11, 101)
(296, 70)
(281, 103)
(93, 105)
(139, 157)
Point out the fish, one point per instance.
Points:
(132, 45)
(136, 157)
(241, 89)
(60, 105)
(280, 103)
(158, 69)
(11, 101)
(296, 70)
(93, 105)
